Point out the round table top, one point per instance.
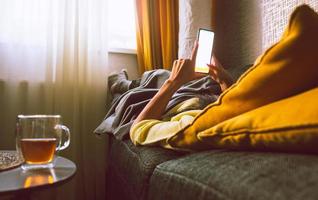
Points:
(17, 180)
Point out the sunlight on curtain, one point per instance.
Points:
(157, 33)
(53, 60)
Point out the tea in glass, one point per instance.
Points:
(39, 138)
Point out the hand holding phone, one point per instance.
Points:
(204, 53)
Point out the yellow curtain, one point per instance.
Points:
(157, 33)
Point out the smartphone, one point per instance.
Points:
(204, 53)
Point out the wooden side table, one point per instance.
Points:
(21, 184)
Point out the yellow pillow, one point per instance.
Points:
(287, 68)
(287, 125)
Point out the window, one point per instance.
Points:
(122, 28)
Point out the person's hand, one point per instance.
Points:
(183, 69)
(219, 74)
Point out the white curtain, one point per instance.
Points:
(53, 60)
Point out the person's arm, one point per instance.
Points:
(157, 105)
(182, 72)
(219, 74)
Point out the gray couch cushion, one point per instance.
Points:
(134, 165)
(237, 175)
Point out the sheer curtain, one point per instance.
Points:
(53, 60)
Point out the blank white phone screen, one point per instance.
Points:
(204, 52)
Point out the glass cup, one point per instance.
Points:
(39, 138)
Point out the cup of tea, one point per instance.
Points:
(39, 138)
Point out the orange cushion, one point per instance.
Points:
(290, 125)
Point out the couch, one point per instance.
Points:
(156, 173)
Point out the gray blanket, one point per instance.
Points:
(126, 107)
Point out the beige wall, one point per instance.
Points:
(193, 14)
(238, 37)
(118, 61)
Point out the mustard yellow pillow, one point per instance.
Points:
(287, 68)
(290, 124)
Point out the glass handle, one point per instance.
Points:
(68, 136)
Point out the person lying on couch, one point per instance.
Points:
(154, 113)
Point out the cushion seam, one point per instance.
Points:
(265, 130)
